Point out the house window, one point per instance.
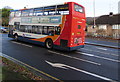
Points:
(115, 26)
(102, 26)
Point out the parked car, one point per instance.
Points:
(3, 29)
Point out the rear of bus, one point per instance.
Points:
(78, 24)
(73, 34)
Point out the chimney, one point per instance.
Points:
(110, 14)
(24, 7)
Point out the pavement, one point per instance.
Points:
(108, 42)
(88, 63)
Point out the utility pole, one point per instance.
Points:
(119, 7)
(94, 13)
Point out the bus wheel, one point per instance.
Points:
(16, 37)
(49, 43)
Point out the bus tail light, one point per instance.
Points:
(73, 33)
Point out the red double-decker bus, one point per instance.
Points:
(58, 26)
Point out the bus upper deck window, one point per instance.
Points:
(50, 10)
(78, 8)
(25, 12)
(45, 13)
(38, 11)
(18, 13)
(31, 12)
(12, 14)
(63, 9)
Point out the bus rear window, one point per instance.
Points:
(78, 8)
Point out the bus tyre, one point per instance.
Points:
(49, 44)
(16, 37)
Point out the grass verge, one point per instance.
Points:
(13, 71)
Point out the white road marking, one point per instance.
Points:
(113, 60)
(99, 52)
(21, 44)
(101, 48)
(75, 58)
(56, 65)
(59, 65)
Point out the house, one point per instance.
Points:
(106, 26)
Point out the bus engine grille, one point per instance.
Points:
(63, 43)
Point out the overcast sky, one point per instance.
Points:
(102, 7)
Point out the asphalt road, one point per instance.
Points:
(88, 63)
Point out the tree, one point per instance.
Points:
(5, 16)
(7, 7)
